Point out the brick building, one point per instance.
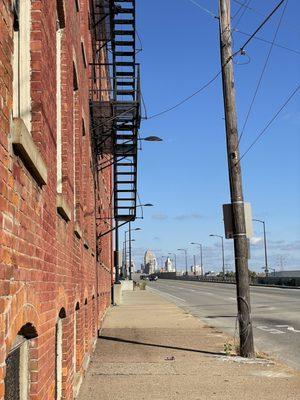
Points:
(55, 276)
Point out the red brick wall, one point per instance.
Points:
(44, 266)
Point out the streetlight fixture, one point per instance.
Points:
(221, 237)
(130, 230)
(201, 259)
(144, 205)
(151, 139)
(186, 267)
(265, 245)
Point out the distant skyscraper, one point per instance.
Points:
(150, 262)
(169, 265)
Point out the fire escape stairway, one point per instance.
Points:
(126, 108)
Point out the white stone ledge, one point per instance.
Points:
(62, 207)
(77, 230)
(26, 149)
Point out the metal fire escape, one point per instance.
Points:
(115, 107)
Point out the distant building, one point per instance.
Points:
(169, 265)
(150, 262)
(198, 270)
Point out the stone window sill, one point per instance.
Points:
(77, 230)
(62, 207)
(26, 149)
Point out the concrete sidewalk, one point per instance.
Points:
(151, 349)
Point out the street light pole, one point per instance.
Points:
(265, 245)
(186, 266)
(130, 240)
(201, 259)
(116, 254)
(130, 271)
(223, 259)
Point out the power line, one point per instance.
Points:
(268, 41)
(186, 98)
(246, 4)
(204, 9)
(216, 76)
(240, 8)
(261, 25)
(258, 12)
(247, 7)
(270, 122)
(262, 74)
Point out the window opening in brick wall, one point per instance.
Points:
(83, 127)
(59, 354)
(17, 378)
(83, 54)
(77, 5)
(75, 329)
(75, 116)
(21, 61)
(60, 24)
(58, 359)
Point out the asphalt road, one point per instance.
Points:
(275, 313)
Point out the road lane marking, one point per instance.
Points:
(288, 327)
(167, 294)
(273, 331)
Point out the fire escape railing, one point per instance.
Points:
(115, 99)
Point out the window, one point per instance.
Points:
(59, 354)
(17, 382)
(76, 334)
(16, 378)
(75, 117)
(60, 24)
(21, 61)
(58, 359)
(83, 54)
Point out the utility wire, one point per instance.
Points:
(268, 41)
(204, 9)
(249, 8)
(259, 12)
(260, 26)
(240, 8)
(262, 74)
(270, 122)
(246, 4)
(186, 98)
(219, 73)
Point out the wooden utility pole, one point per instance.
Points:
(235, 180)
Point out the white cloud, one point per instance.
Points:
(255, 240)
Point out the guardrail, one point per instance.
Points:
(264, 281)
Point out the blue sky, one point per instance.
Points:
(185, 176)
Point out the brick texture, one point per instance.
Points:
(45, 269)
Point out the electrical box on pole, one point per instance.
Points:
(228, 220)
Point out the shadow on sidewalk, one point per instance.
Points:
(115, 339)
